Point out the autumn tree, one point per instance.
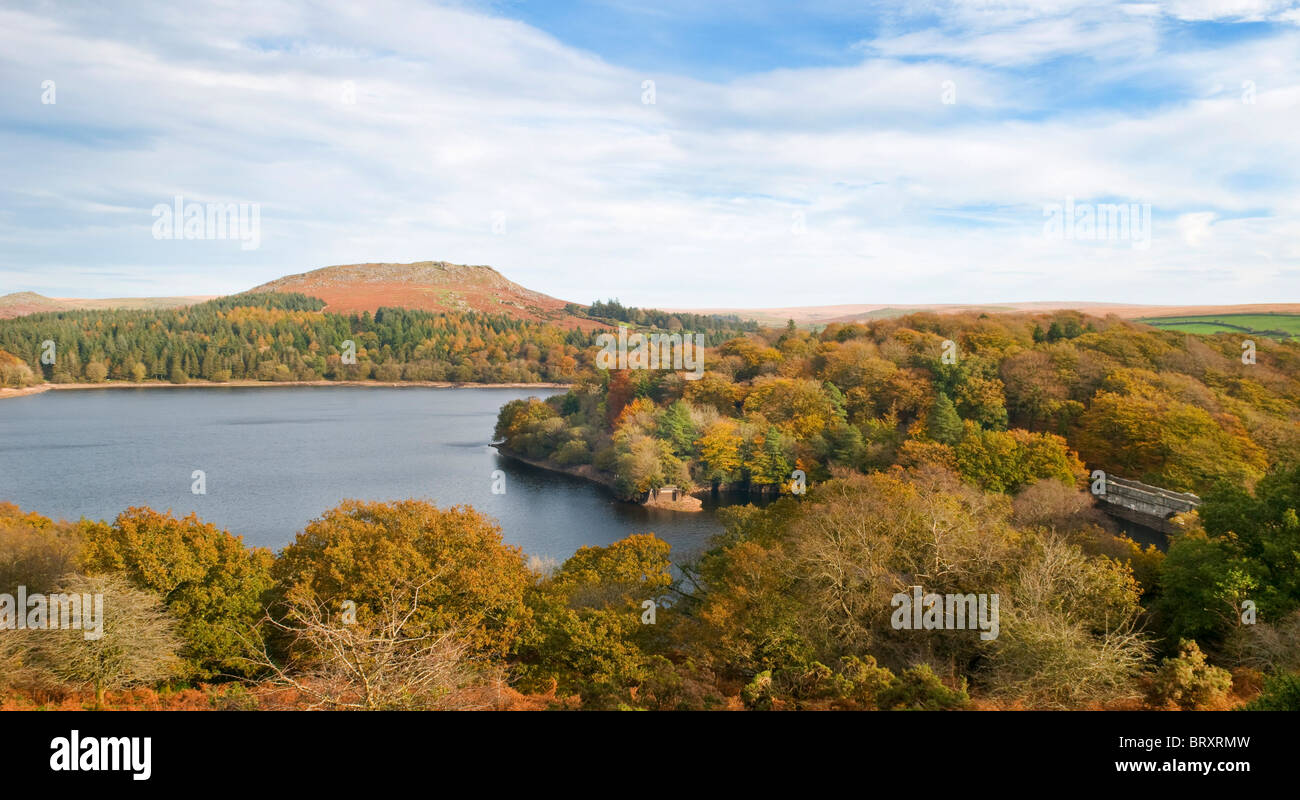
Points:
(713, 390)
(14, 372)
(1004, 461)
(1246, 547)
(643, 462)
(719, 449)
(137, 646)
(798, 407)
(766, 461)
(531, 427)
(798, 588)
(210, 582)
(1169, 443)
(356, 552)
(35, 551)
(1070, 630)
(1187, 681)
(386, 661)
(593, 632)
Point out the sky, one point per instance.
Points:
(667, 153)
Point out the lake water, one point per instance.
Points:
(276, 457)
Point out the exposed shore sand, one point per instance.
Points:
(4, 392)
(60, 387)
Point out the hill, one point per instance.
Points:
(426, 286)
(20, 304)
(849, 313)
(423, 286)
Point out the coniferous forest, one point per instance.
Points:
(286, 337)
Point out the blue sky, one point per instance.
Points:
(711, 41)
(786, 154)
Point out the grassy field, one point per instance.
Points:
(1276, 326)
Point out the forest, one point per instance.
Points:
(286, 337)
(405, 605)
(716, 327)
(1002, 400)
(946, 452)
(921, 439)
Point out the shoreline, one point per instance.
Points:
(688, 501)
(23, 392)
(245, 384)
(587, 474)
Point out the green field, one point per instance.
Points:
(1275, 326)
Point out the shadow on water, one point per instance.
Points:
(687, 531)
(1142, 534)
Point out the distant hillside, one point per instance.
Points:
(427, 286)
(825, 315)
(20, 304)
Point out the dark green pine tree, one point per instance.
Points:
(776, 467)
(676, 427)
(944, 424)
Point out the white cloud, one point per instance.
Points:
(1195, 228)
(1026, 42)
(687, 202)
(1243, 10)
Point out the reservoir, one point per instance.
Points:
(273, 458)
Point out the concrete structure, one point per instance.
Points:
(1144, 504)
(673, 498)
